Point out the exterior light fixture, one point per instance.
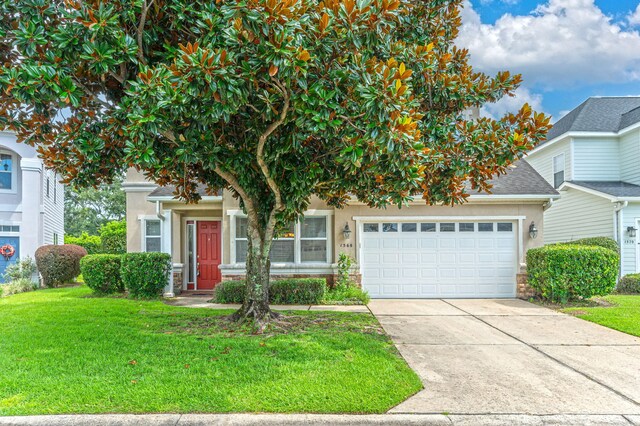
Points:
(631, 230)
(346, 231)
(533, 231)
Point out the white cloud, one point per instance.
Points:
(634, 17)
(562, 43)
(513, 103)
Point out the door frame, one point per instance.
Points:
(637, 224)
(185, 237)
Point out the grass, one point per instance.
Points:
(623, 313)
(64, 351)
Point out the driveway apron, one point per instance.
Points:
(509, 356)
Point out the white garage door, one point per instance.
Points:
(439, 259)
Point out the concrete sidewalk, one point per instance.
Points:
(319, 419)
(203, 302)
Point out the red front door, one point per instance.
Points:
(208, 254)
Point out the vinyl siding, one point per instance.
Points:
(596, 159)
(630, 245)
(53, 219)
(578, 215)
(629, 157)
(542, 160)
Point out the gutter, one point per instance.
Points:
(619, 215)
(546, 206)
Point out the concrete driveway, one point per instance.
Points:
(511, 357)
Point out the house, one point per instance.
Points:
(592, 156)
(31, 202)
(472, 250)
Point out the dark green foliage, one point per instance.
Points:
(565, 272)
(101, 273)
(605, 242)
(59, 264)
(290, 291)
(87, 209)
(350, 295)
(91, 243)
(629, 284)
(114, 237)
(144, 275)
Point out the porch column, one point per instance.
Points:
(31, 228)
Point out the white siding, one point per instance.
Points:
(596, 159)
(578, 215)
(630, 157)
(542, 160)
(631, 214)
(53, 219)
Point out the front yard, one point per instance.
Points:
(63, 351)
(622, 315)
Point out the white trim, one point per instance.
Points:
(143, 232)
(514, 197)
(185, 226)
(138, 186)
(14, 172)
(573, 134)
(572, 152)
(609, 197)
(171, 198)
(637, 246)
(554, 171)
(11, 208)
(432, 218)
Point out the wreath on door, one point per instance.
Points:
(7, 251)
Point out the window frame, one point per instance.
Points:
(560, 156)
(297, 240)
(145, 236)
(14, 172)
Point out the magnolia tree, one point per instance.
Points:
(272, 100)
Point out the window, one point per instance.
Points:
(409, 227)
(558, 170)
(191, 252)
(152, 236)
(55, 238)
(304, 242)
(370, 227)
(47, 190)
(9, 228)
(389, 227)
(55, 187)
(505, 227)
(447, 227)
(428, 227)
(466, 227)
(6, 171)
(485, 227)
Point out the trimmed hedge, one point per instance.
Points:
(629, 284)
(114, 237)
(565, 272)
(91, 243)
(144, 275)
(605, 242)
(59, 264)
(290, 291)
(101, 273)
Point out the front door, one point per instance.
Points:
(13, 244)
(208, 254)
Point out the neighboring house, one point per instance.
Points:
(472, 250)
(592, 156)
(31, 201)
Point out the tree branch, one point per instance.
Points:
(143, 21)
(92, 95)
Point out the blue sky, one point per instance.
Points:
(567, 50)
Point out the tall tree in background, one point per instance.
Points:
(87, 209)
(271, 100)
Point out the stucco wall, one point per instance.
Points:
(137, 205)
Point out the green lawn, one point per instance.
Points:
(623, 315)
(62, 351)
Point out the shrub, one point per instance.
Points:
(629, 284)
(59, 264)
(101, 273)
(346, 296)
(25, 268)
(290, 291)
(91, 243)
(570, 272)
(21, 285)
(605, 242)
(144, 275)
(114, 237)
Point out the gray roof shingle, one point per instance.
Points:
(614, 188)
(599, 114)
(521, 179)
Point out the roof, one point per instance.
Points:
(169, 191)
(599, 114)
(521, 179)
(613, 188)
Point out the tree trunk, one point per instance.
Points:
(258, 266)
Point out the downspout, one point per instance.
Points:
(546, 206)
(619, 214)
(158, 210)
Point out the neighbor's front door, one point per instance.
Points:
(208, 254)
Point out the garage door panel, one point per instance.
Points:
(440, 261)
